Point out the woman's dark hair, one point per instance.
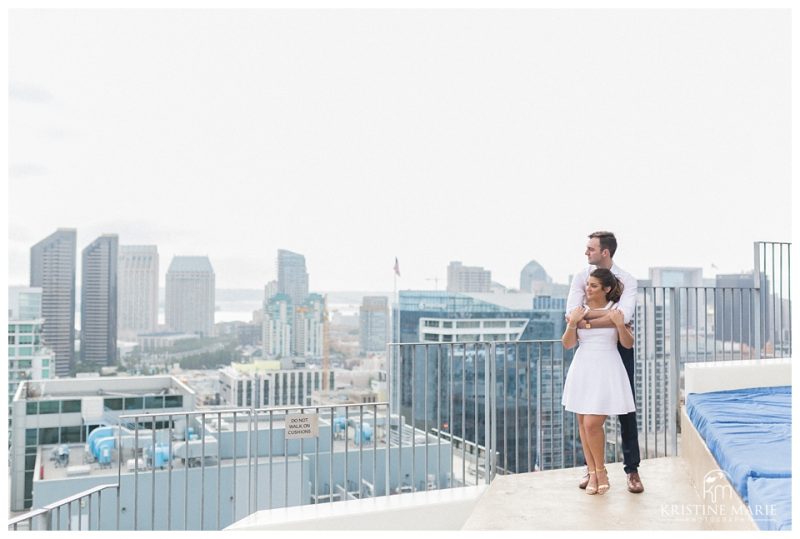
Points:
(608, 279)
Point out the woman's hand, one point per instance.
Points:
(625, 332)
(576, 315)
(570, 337)
(617, 318)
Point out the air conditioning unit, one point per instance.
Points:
(133, 464)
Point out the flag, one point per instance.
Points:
(396, 267)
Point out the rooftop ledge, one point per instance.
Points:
(445, 509)
(549, 500)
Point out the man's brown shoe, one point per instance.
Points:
(584, 480)
(634, 483)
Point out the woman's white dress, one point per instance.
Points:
(597, 382)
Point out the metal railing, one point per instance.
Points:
(528, 429)
(204, 470)
(458, 414)
(72, 514)
(771, 278)
(500, 396)
(423, 381)
(245, 461)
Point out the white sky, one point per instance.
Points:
(490, 137)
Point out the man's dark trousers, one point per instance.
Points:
(627, 422)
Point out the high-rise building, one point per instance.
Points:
(555, 425)
(270, 289)
(24, 302)
(266, 383)
(190, 296)
(650, 373)
(292, 276)
(65, 433)
(290, 329)
(453, 324)
(735, 303)
(49, 413)
(278, 320)
(137, 290)
(675, 276)
(373, 320)
(468, 279)
(547, 321)
(99, 301)
(53, 270)
(28, 358)
(533, 277)
(308, 325)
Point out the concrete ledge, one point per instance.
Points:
(737, 374)
(724, 508)
(445, 509)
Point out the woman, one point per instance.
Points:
(597, 384)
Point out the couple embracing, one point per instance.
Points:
(600, 306)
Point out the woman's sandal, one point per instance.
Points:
(602, 489)
(589, 488)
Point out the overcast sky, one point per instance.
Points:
(489, 137)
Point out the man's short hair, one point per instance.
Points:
(607, 241)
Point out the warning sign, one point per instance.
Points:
(301, 426)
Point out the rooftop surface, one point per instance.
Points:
(108, 386)
(551, 500)
(54, 471)
(190, 263)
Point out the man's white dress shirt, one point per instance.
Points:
(627, 303)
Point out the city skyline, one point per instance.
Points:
(512, 285)
(507, 150)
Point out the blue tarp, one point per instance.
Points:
(749, 432)
(771, 502)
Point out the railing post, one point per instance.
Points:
(675, 358)
(493, 408)
(539, 442)
(488, 405)
(119, 471)
(757, 291)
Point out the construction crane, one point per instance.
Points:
(435, 282)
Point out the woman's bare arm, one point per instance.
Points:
(625, 333)
(598, 318)
(570, 337)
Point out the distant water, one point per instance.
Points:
(233, 316)
(242, 311)
(238, 305)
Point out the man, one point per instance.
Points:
(600, 254)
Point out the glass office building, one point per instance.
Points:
(442, 380)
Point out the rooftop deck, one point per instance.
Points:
(549, 500)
